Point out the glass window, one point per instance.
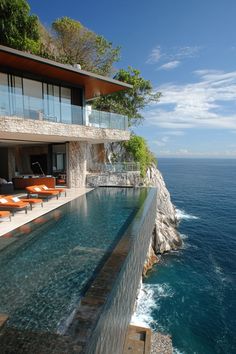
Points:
(51, 96)
(57, 105)
(60, 162)
(17, 98)
(34, 99)
(59, 157)
(65, 105)
(4, 95)
(33, 103)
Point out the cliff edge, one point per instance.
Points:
(165, 236)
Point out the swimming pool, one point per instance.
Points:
(44, 273)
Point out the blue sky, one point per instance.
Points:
(187, 48)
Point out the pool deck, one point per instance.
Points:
(20, 218)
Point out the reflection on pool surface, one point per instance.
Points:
(44, 273)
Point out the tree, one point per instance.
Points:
(18, 29)
(75, 44)
(131, 101)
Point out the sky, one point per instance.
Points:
(187, 49)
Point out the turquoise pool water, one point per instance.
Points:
(44, 273)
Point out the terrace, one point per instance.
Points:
(51, 109)
(20, 218)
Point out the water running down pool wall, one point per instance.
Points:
(125, 267)
(100, 323)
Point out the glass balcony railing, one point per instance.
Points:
(51, 109)
(116, 167)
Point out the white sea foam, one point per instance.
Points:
(182, 215)
(145, 305)
(149, 300)
(219, 271)
(184, 237)
(177, 351)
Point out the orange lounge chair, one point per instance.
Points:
(37, 190)
(6, 204)
(5, 214)
(31, 201)
(60, 190)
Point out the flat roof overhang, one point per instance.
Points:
(94, 85)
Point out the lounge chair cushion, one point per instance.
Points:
(15, 199)
(5, 214)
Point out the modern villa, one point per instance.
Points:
(70, 269)
(46, 121)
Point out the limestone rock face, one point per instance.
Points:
(165, 235)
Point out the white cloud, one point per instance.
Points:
(155, 55)
(174, 132)
(162, 141)
(170, 65)
(197, 154)
(199, 104)
(187, 52)
(172, 54)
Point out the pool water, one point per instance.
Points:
(45, 272)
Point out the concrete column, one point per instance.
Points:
(76, 164)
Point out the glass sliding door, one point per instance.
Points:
(59, 162)
(4, 95)
(57, 105)
(51, 100)
(66, 108)
(33, 99)
(17, 104)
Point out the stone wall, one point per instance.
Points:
(131, 178)
(76, 164)
(11, 163)
(29, 129)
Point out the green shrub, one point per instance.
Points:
(138, 148)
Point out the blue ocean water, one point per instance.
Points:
(191, 294)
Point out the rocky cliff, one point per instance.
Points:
(165, 236)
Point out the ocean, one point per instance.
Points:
(191, 293)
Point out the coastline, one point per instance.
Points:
(165, 238)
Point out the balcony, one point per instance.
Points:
(51, 109)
